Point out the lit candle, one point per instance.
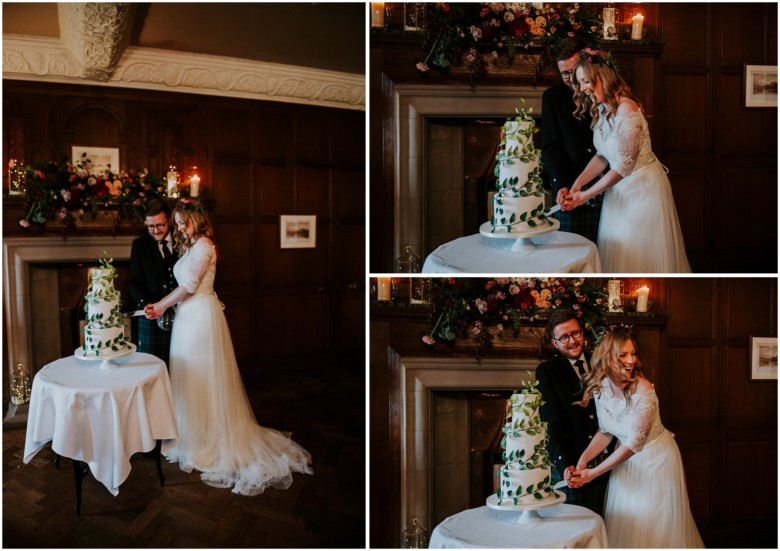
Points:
(378, 15)
(194, 186)
(636, 26)
(383, 289)
(641, 299)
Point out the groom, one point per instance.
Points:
(151, 276)
(569, 427)
(567, 142)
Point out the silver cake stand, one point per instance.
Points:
(107, 359)
(529, 513)
(522, 238)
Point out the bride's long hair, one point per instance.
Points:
(606, 354)
(601, 68)
(188, 209)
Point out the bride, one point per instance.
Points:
(647, 500)
(639, 231)
(218, 433)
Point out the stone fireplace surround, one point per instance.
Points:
(418, 378)
(411, 105)
(18, 254)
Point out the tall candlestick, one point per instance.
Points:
(636, 26)
(383, 286)
(378, 15)
(194, 186)
(641, 299)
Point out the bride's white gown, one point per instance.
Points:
(639, 231)
(218, 433)
(647, 500)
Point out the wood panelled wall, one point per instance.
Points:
(690, 81)
(258, 160)
(725, 424)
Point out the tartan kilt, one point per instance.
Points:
(583, 220)
(591, 495)
(153, 340)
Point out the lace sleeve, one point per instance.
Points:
(629, 133)
(201, 256)
(645, 412)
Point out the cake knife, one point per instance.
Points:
(553, 210)
(134, 314)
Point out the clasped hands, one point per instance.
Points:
(570, 199)
(577, 477)
(153, 311)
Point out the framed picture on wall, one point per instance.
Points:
(103, 158)
(298, 231)
(760, 85)
(763, 358)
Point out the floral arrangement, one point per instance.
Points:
(487, 29)
(604, 331)
(481, 306)
(69, 190)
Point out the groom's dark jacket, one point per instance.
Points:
(150, 277)
(569, 427)
(567, 148)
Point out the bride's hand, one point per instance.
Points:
(153, 311)
(561, 197)
(580, 478)
(573, 200)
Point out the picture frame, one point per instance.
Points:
(103, 158)
(760, 85)
(763, 358)
(298, 231)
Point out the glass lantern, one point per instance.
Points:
(16, 179)
(415, 536)
(408, 262)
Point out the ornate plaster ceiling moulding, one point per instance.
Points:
(96, 34)
(47, 60)
(224, 76)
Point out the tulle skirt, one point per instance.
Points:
(647, 500)
(639, 230)
(218, 433)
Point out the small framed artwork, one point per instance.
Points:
(760, 85)
(298, 231)
(763, 358)
(103, 158)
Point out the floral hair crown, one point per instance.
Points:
(614, 328)
(595, 57)
(192, 205)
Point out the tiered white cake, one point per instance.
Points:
(104, 333)
(519, 204)
(525, 477)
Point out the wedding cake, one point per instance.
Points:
(104, 333)
(525, 478)
(519, 203)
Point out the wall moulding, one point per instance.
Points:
(48, 60)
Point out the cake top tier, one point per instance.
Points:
(101, 278)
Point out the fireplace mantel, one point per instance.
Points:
(18, 254)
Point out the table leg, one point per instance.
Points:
(78, 472)
(157, 454)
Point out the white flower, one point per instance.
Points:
(481, 306)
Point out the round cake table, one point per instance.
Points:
(562, 526)
(556, 252)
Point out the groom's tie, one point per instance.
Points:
(580, 365)
(166, 251)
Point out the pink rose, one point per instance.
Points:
(24, 223)
(428, 339)
(423, 67)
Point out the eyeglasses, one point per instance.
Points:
(566, 74)
(151, 227)
(564, 339)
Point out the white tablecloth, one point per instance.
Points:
(554, 253)
(101, 416)
(562, 526)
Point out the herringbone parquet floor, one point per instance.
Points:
(324, 408)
